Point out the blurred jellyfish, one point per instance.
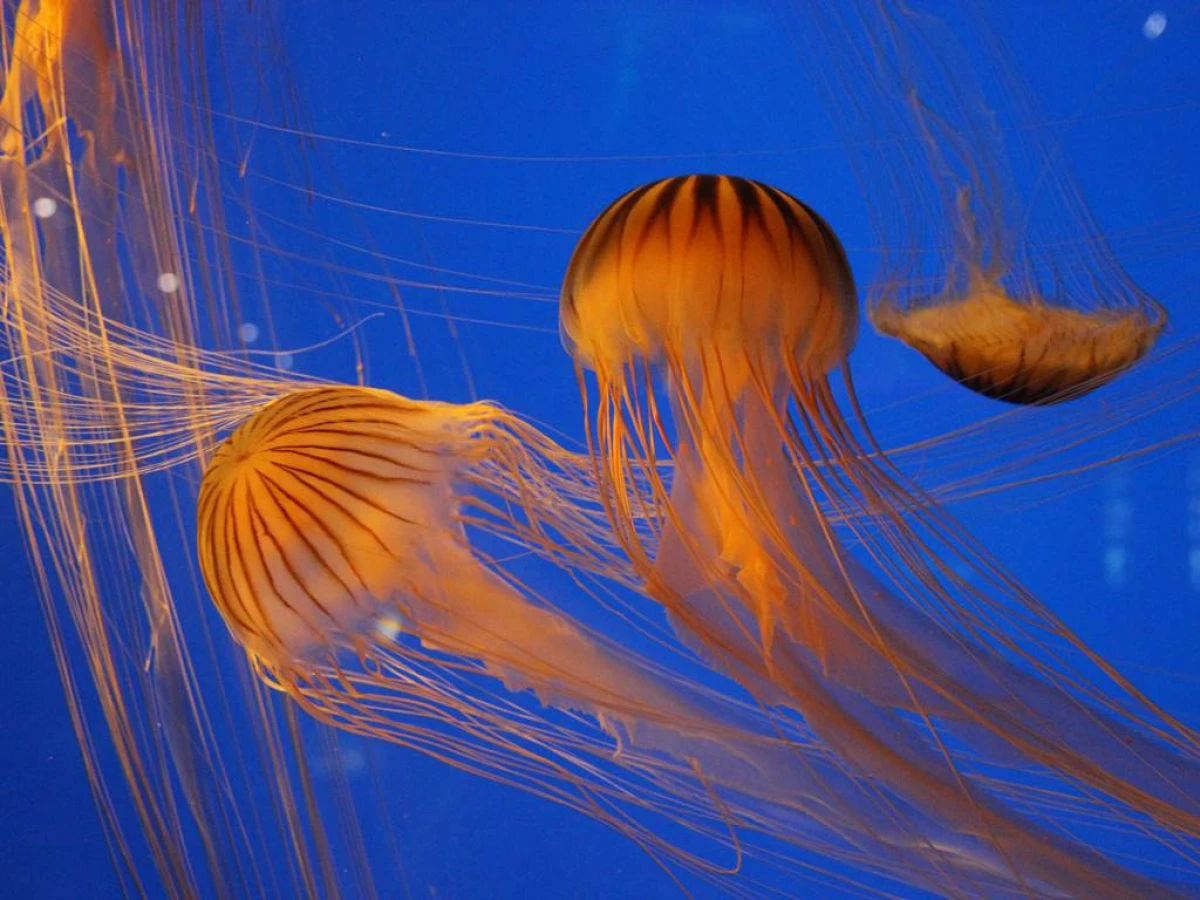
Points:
(111, 196)
(712, 310)
(991, 264)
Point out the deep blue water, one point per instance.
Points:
(672, 87)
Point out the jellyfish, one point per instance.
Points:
(341, 534)
(992, 266)
(1026, 351)
(711, 311)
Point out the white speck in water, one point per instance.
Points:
(248, 332)
(168, 282)
(45, 207)
(388, 628)
(1154, 26)
(284, 361)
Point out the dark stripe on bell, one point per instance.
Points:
(705, 197)
(663, 204)
(786, 210)
(600, 233)
(749, 196)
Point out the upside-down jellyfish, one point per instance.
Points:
(992, 267)
(712, 310)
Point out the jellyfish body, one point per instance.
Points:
(735, 301)
(662, 276)
(1022, 351)
(268, 493)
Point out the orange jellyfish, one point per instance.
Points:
(992, 266)
(341, 534)
(712, 311)
(333, 536)
(1027, 350)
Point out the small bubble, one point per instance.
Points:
(388, 628)
(248, 332)
(45, 207)
(284, 361)
(168, 282)
(1154, 26)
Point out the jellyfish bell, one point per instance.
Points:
(1022, 351)
(274, 485)
(708, 243)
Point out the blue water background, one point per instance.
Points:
(1116, 553)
